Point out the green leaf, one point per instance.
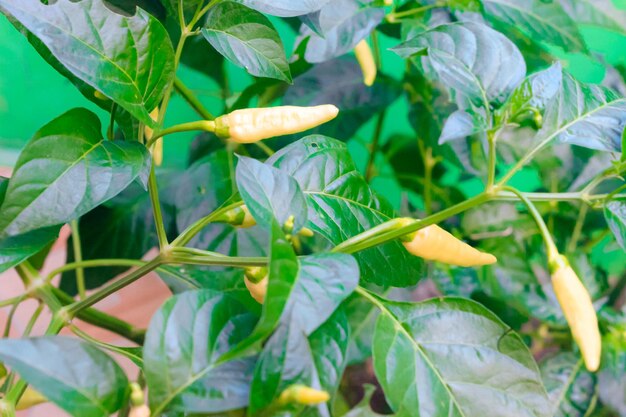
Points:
(66, 170)
(73, 374)
(586, 115)
(534, 93)
(615, 215)
(270, 194)
(285, 8)
(16, 249)
(282, 278)
(248, 39)
(453, 357)
(543, 20)
(471, 58)
(571, 388)
(340, 82)
(290, 357)
(611, 380)
(462, 124)
(601, 13)
(128, 58)
(324, 281)
(344, 24)
(341, 204)
(514, 280)
(184, 343)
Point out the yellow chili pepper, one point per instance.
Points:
(301, 394)
(252, 125)
(579, 312)
(139, 411)
(256, 280)
(30, 398)
(365, 57)
(435, 244)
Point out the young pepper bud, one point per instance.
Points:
(256, 280)
(578, 310)
(435, 244)
(137, 401)
(301, 394)
(364, 56)
(157, 150)
(252, 125)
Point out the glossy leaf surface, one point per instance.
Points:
(424, 368)
(248, 39)
(66, 170)
(73, 374)
(127, 58)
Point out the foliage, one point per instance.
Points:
(509, 151)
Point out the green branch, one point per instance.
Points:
(192, 100)
(78, 255)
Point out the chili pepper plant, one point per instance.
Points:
(413, 209)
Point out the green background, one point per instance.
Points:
(32, 93)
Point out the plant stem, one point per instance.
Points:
(387, 231)
(104, 292)
(201, 257)
(93, 263)
(492, 138)
(78, 256)
(156, 209)
(116, 349)
(191, 98)
(580, 222)
(193, 229)
(11, 301)
(551, 248)
(369, 170)
(33, 320)
(9, 323)
(393, 17)
(203, 125)
(103, 320)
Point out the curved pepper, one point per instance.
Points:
(579, 312)
(252, 125)
(365, 57)
(435, 244)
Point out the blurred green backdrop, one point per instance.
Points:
(32, 93)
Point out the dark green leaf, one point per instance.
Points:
(16, 249)
(129, 59)
(270, 193)
(615, 214)
(184, 343)
(344, 24)
(611, 380)
(66, 170)
(534, 93)
(285, 8)
(340, 82)
(341, 204)
(324, 281)
(201, 56)
(513, 280)
(248, 39)
(462, 124)
(282, 278)
(76, 376)
(470, 58)
(290, 357)
(453, 357)
(586, 115)
(571, 388)
(543, 20)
